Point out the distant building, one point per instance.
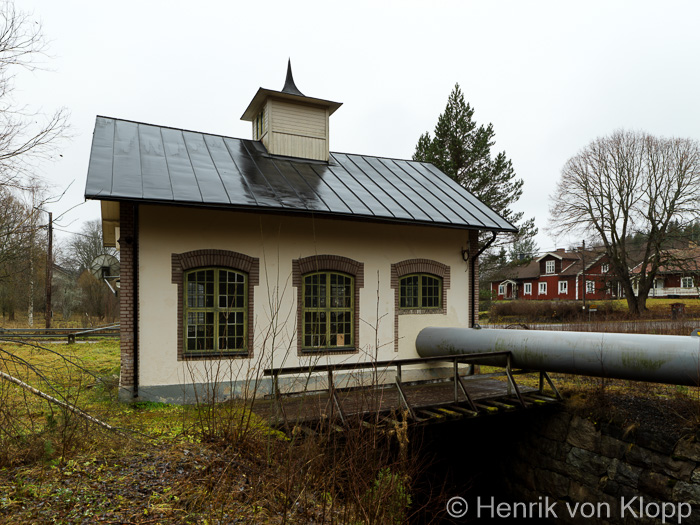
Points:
(678, 277)
(557, 275)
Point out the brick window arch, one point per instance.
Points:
(328, 292)
(183, 263)
(420, 268)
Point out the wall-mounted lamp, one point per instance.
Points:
(465, 254)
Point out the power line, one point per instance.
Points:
(73, 233)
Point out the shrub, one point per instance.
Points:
(543, 311)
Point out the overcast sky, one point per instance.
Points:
(550, 76)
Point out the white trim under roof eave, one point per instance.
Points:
(595, 260)
(564, 269)
(549, 253)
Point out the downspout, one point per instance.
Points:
(583, 274)
(472, 287)
(135, 278)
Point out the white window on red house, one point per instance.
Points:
(563, 286)
(687, 282)
(501, 289)
(549, 266)
(542, 290)
(605, 268)
(528, 289)
(590, 287)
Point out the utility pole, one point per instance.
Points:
(583, 272)
(49, 271)
(32, 225)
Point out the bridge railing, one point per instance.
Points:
(459, 379)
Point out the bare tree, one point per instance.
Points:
(22, 254)
(85, 246)
(95, 297)
(629, 185)
(25, 134)
(26, 137)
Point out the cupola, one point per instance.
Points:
(289, 123)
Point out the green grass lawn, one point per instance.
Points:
(212, 463)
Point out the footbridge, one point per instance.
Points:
(378, 393)
(490, 371)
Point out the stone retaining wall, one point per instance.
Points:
(572, 460)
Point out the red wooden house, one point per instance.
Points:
(678, 276)
(557, 275)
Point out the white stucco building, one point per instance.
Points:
(238, 255)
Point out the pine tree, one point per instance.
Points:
(462, 150)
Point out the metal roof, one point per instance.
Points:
(132, 161)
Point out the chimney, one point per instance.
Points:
(289, 123)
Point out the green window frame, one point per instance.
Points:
(420, 291)
(260, 124)
(215, 309)
(328, 311)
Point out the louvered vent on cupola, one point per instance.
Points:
(289, 123)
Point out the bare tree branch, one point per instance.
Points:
(25, 135)
(630, 184)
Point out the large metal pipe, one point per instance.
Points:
(639, 357)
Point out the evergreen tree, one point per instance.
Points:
(462, 150)
(522, 251)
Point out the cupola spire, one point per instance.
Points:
(289, 86)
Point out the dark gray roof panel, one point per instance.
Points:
(153, 162)
(333, 190)
(471, 206)
(403, 189)
(99, 177)
(368, 190)
(251, 175)
(236, 190)
(126, 167)
(307, 191)
(423, 191)
(210, 185)
(286, 194)
(182, 177)
(142, 162)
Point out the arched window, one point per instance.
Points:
(215, 303)
(328, 311)
(420, 287)
(420, 291)
(215, 310)
(328, 303)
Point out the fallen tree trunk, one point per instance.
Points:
(75, 410)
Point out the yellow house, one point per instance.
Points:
(238, 255)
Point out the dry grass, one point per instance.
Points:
(544, 311)
(212, 463)
(571, 311)
(216, 463)
(76, 321)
